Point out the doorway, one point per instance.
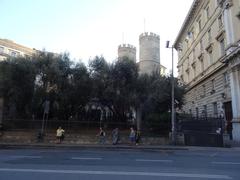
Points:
(228, 116)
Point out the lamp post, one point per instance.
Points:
(173, 122)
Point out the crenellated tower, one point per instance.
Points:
(127, 50)
(149, 53)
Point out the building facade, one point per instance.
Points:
(9, 48)
(208, 46)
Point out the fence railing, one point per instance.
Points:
(161, 128)
(200, 124)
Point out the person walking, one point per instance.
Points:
(102, 136)
(138, 137)
(115, 136)
(60, 134)
(132, 135)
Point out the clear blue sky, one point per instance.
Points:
(86, 28)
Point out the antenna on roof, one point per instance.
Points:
(123, 37)
(144, 25)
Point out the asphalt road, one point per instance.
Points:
(84, 164)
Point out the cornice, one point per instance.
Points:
(188, 19)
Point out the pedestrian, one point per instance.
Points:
(101, 135)
(60, 134)
(115, 136)
(138, 137)
(132, 135)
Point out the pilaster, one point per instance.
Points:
(228, 24)
(235, 92)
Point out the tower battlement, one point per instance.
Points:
(127, 50)
(127, 46)
(149, 34)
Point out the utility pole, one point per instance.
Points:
(173, 122)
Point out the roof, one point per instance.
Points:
(186, 21)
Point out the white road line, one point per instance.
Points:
(85, 158)
(213, 155)
(154, 160)
(119, 173)
(230, 163)
(32, 157)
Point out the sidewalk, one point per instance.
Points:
(90, 146)
(112, 147)
(27, 139)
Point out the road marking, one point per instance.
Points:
(230, 163)
(32, 157)
(119, 173)
(214, 154)
(85, 158)
(154, 160)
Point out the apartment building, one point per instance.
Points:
(9, 48)
(208, 46)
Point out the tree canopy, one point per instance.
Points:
(26, 83)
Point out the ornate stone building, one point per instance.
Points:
(208, 46)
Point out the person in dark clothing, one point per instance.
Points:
(138, 137)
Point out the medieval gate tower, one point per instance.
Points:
(127, 50)
(149, 53)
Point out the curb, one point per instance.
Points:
(89, 146)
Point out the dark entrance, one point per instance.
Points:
(228, 116)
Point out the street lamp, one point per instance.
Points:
(173, 109)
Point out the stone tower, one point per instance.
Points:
(127, 50)
(149, 57)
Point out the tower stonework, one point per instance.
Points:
(149, 57)
(127, 50)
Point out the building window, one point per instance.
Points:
(215, 109)
(195, 94)
(210, 54)
(222, 46)
(194, 54)
(209, 36)
(225, 78)
(200, 25)
(190, 111)
(201, 45)
(204, 112)
(1, 49)
(192, 35)
(181, 78)
(220, 22)
(13, 54)
(188, 76)
(213, 86)
(207, 12)
(197, 112)
(201, 64)
(194, 69)
(203, 90)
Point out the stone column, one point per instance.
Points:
(228, 24)
(235, 93)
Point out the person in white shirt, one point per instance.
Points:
(60, 134)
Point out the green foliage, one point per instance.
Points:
(114, 85)
(25, 84)
(158, 123)
(16, 84)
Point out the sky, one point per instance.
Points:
(86, 28)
